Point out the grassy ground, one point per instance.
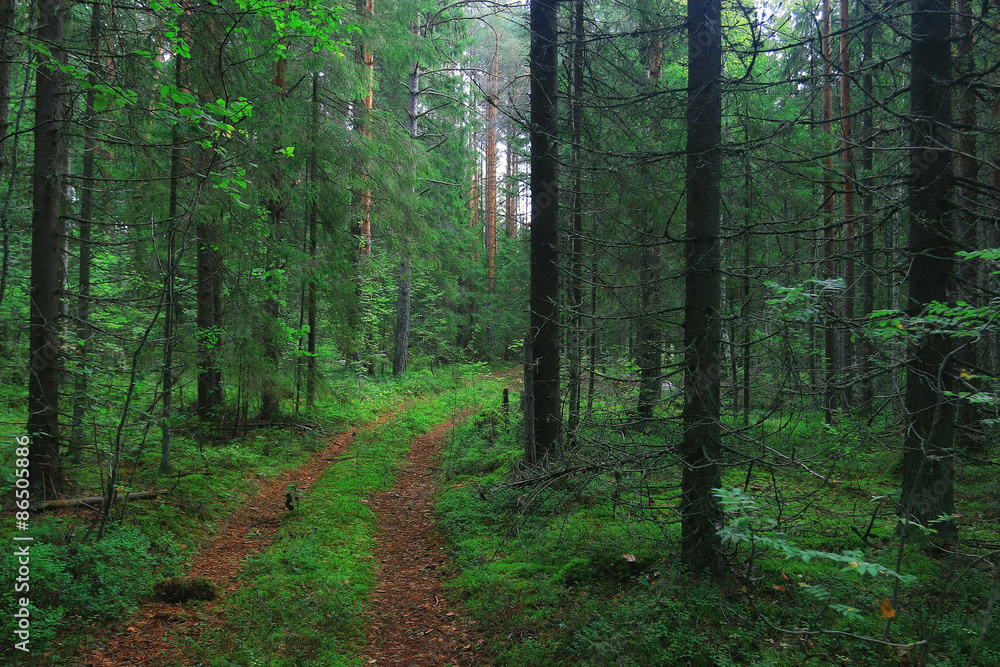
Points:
(78, 584)
(584, 570)
(303, 600)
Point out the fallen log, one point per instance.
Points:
(92, 500)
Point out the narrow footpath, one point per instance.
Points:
(413, 623)
(145, 639)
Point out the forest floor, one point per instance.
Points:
(412, 622)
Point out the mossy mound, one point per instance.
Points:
(182, 589)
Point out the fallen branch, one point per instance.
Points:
(91, 500)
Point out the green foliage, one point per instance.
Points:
(303, 599)
(749, 526)
(74, 584)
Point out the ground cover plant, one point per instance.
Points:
(583, 568)
(80, 583)
(303, 601)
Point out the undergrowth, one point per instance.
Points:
(302, 601)
(79, 584)
(584, 569)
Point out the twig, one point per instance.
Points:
(988, 617)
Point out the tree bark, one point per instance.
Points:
(402, 333)
(270, 401)
(47, 245)
(544, 241)
(701, 548)
(510, 203)
(648, 356)
(311, 292)
(206, 320)
(847, 347)
(7, 13)
(491, 172)
(830, 342)
(366, 9)
(94, 500)
(970, 435)
(867, 214)
(83, 331)
(576, 334)
(928, 481)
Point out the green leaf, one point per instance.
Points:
(103, 100)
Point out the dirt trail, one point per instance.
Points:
(412, 621)
(144, 640)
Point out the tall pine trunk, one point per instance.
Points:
(649, 355)
(270, 402)
(867, 215)
(491, 185)
(829, 251)
(701, 548)
(7, 13)
(311, 292)
(402, 333)
(513, 190)
(207, 272)
(970, 435)
(47, 234)
(83, 330)
(847, 347)
(928, 479)
(544, 439)
(576, 334)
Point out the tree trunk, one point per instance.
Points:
(7, 13)
(206, 321)
(170, 304)
(366, 9)
(544, 242)
(491, 172)
(593, 336)
(311, 293)
(648, 357)
(830, 265)
(402, 333)
(867, 214)
(510, 204)
(970, 435)
(83, 331)
(47, 235)
(701, 548)
(576, 334)
(746, 329)
(847, 347)
(928, 481)
(270, 402)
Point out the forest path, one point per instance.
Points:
(412, 621)
(148, 637)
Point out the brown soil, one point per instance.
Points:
(413, 623)
(145, 640)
